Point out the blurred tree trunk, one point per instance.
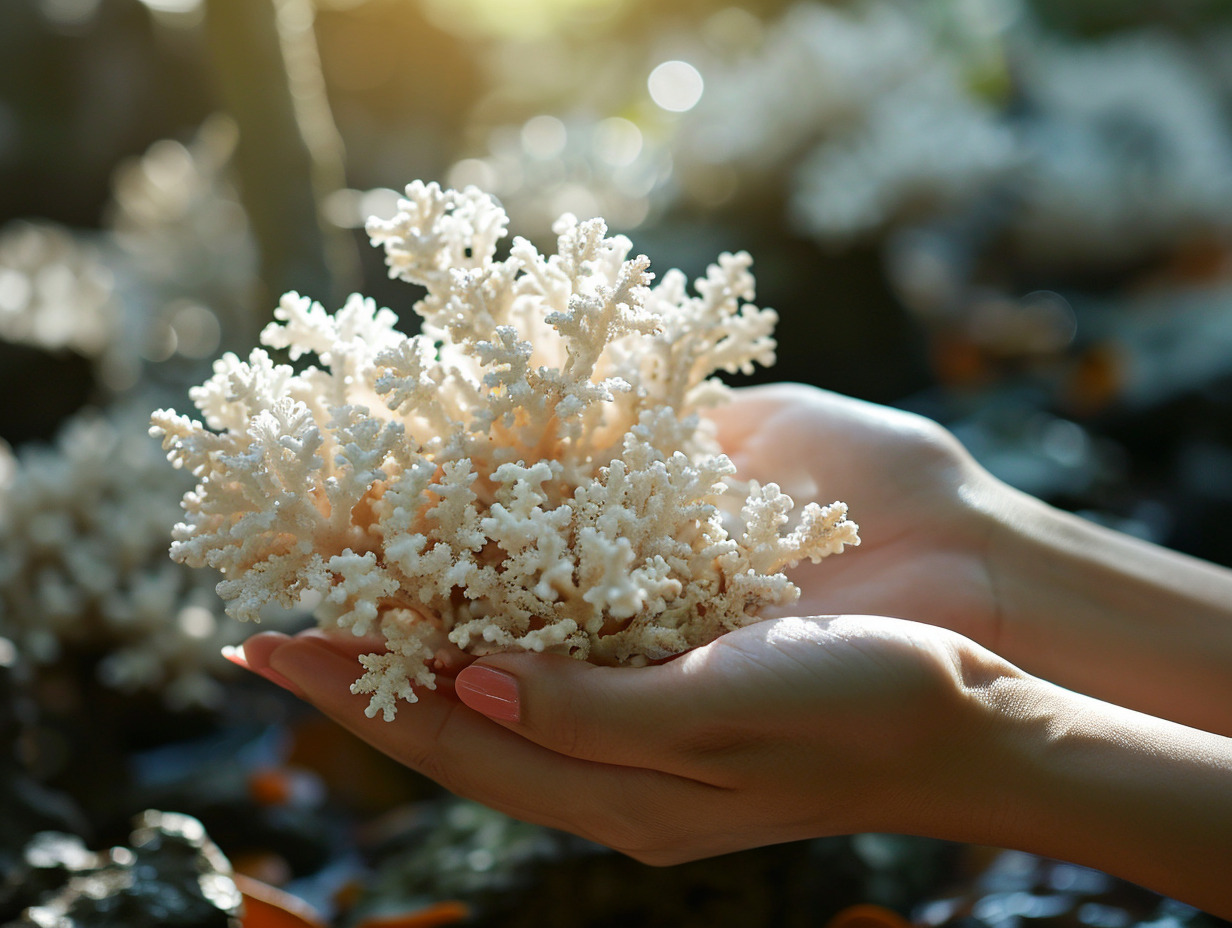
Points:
(289, 156)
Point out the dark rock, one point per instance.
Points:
(172, 875)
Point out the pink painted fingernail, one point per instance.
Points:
(489, 691)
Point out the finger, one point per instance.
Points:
(739, 419)
(474, 757)
(256, 651)
(446, 662)
(254, 655)
(344, 642)
(767, 430)
(654, 717)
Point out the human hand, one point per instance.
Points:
(787, 729)
(795, 728)
(944, 542)
(922, 503)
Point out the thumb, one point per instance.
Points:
(631, 716)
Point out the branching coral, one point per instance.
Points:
(530, 471)
(83, 534)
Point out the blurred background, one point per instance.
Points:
(1014, 216)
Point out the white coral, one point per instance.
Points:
(884, 122)
(164, 277)
(930, 143)
(1130, 145)
(184, 244)
(83, 533)
(530, 471)
(55, 290)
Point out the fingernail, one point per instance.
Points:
(255, 652)
(489, 691)
(257, 660)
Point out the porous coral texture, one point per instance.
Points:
(530, 471)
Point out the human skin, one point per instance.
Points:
(946, 543)
(805, 726)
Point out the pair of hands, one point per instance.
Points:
(786, 729)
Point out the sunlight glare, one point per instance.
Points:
(517, 19)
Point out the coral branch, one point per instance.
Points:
(531, 470)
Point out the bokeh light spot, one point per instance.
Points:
(197, 622)
(197, 330)
(617, 142)
(173, 6)
(675, 86)
(177, 14)
(472, 172)
(379, 202)
(515, 18)
(350, 209)
(69, 12)
(574, 198)
(544, 136)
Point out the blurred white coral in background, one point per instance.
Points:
(870, 108)
(56, 292)
(531, 471)
(83, 534)
(84, 523)
(817, 67)
(927, 145)
(185, 252)
(174, 263)
(588, 167)
(1130, 147)
(867, 112)
(883, 113)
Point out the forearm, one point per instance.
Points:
(1063, 775)
(1112, 616)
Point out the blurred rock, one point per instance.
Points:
(172, 875)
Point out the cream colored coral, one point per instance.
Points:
(530, 471)
(83, 534)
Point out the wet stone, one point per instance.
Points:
(172, 876)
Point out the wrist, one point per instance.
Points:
(1066, 588)
(1063, 775)
(960, 743)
